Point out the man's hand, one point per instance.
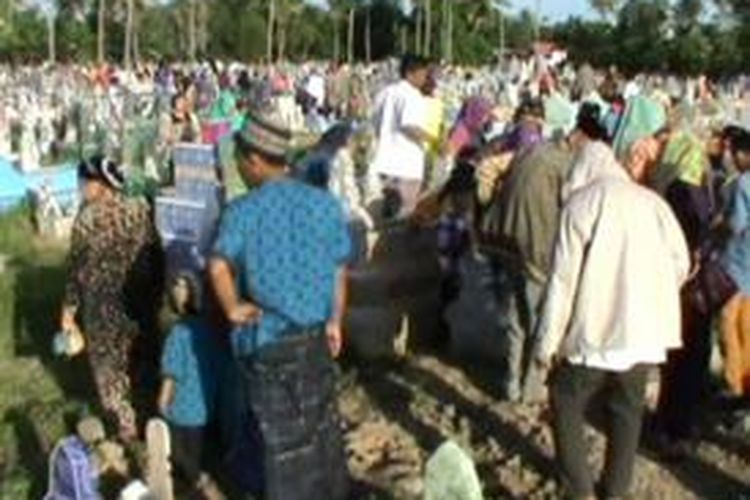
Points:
(244, 313)
(543, 362)
(335, 338)
(68, 320)
(166, 395)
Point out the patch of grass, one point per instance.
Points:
(38, 393)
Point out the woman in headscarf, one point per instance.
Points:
(681, 177)
(113, 288)
(639, 140)
(470, 125)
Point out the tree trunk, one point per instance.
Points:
(443, 29)
(203, 26)
(269, 30)
(418, 33)
(350, 37)
(51, 41)
(281, 42)
(502, 33)
(101, 22)
(368, 35)
(136, 38)
(192, 42)
(128, 54)
(404, 39)
(449, 41)
(427, 28)
(336, 38)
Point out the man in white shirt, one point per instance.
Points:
(400, 120)
(612, 310)
(315, 86)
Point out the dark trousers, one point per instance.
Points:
(685, 377)
(187, 451)
(573, 388)
(291, 389)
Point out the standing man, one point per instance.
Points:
(279, 275)
(400, 126)
(526, 225)
(612, 310)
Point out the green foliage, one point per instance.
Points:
(635, 35)
(38, 394)
(659, 35)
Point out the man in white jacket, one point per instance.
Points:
(612, 310)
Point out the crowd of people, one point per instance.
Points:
(613, 213)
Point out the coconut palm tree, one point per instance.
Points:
(605, 8)
(339, 10)
(446, 22)
(427, 46)
(368, 31)
(129, 32)
(287, 12)
(350, 33)
(269, 30)
(101, 36)
(500, 6)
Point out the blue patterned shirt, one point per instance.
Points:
(285, 242)
(736, 256)
(193, 358)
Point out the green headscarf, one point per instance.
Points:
(643, 117)
(684, 159)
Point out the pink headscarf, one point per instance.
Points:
(474, 115)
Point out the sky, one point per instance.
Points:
(554, 10)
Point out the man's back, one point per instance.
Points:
(619, 263)
(286, 241)
(530, 201)
(397, 107)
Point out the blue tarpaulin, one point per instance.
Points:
(15, 185)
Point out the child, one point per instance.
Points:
(191, 362)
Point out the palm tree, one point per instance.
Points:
(101, 31)
(605, 8)
(368, 31)
(203, 20)
(129, 32)
(446, 21)
(287, 11)
(427, 46)
(269, 30)
(192, 41)
(499, 6)
(418, 27)
(50, 16)
(350, 33)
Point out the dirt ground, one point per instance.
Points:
(397, 414)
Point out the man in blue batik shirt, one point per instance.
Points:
(278, 269)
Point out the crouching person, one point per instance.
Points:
(611, 312)
(278, 272)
